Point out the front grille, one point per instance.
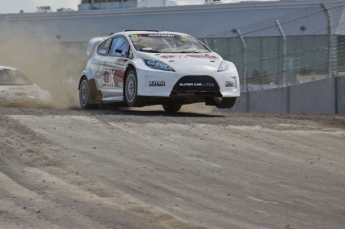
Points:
(188, 84)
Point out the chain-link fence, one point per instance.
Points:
(303, 46)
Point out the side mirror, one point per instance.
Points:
(118, 50)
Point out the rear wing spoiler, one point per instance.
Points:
(93, 43)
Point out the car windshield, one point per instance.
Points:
(167, 43)
(13, 77)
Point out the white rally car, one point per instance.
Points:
(140, 68)
(17, 89)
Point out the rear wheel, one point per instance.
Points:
(130, 93)
(84, 97)
(172, 107)
(225, 102)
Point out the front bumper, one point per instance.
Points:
(163, 84)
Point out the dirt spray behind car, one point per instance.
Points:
(54, 66)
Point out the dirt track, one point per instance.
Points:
(146, 169)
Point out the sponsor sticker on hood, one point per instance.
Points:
(202, 56)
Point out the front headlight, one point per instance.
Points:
(223, 66)
(158, 65)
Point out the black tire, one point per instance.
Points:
(225, 102)
(172, 107)
(130, 91)
(84, 95)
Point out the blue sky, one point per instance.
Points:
(14, 6)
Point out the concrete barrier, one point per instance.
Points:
(317, 97)
(240, 105)
(269, 101)
(341, 95)
(326, 96)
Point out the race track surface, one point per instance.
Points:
(132, 169)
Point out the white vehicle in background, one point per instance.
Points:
(17, 89)
(143, 68)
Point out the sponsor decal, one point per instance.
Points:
(186, 36)
(160, 35)
(108, 80)
(229, 83)
(196, 84)
(157, 83)
(136, 35)
(112, 78)
(108, 43)
(120, 62)
(189, 56)
(152, 35)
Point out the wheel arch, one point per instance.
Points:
(129, 67)
(81, 78)
(95, 96)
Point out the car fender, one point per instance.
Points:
(86, 73)
(137, 64)
(95, 95)
(130, 64)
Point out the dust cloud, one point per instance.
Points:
(54, 66)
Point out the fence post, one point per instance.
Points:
(329, 27)
(245, 84)
(284, 51)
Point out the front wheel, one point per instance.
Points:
(84, 97)
(225, 102)
(130, 93)
(172, 107)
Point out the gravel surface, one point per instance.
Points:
(195, 169)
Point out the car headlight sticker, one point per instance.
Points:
(223, 66)
(158, 65)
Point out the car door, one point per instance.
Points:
(114, 68)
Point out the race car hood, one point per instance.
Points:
(191, 62)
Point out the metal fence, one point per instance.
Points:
(299, 47)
